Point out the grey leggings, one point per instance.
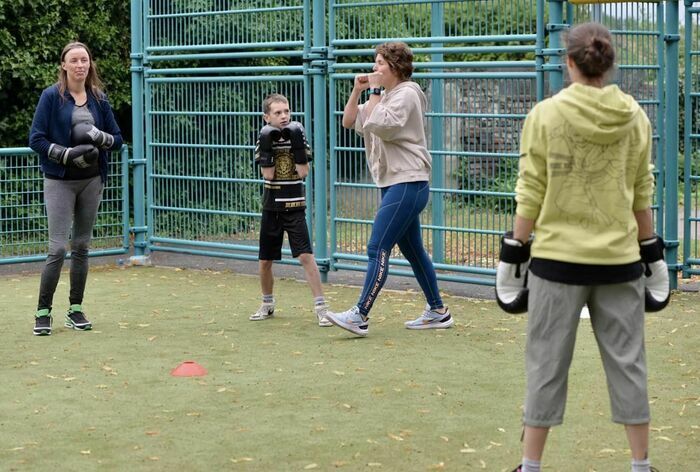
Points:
(69, 202)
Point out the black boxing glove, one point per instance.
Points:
(263, 151)
(294, 132)
(81, 156)
(85, 133)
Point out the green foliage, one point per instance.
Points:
(32, 35)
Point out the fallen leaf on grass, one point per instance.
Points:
(152, 338)
(438, 466)
(374, 464)
(86, 452)
(395, 437)
(152, 433)
(467, 450)
(311, 466)
(222, 389)
(242, 459)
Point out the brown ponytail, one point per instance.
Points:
(589, 45)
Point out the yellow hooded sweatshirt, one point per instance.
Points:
(585, 166)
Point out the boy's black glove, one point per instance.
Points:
(268, 135)
(294, 132)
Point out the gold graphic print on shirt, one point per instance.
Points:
(284, 166)
(592, 192)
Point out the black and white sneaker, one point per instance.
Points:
(75, 319)
(42, 325)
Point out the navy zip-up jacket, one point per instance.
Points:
(52, 124)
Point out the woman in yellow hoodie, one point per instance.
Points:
(585, 189)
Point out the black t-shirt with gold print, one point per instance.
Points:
(285, 192)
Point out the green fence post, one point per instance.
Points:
(556, 25)
(436, 130)
(320, 144)
(687, 146)
(539, 50)
(137, 117)
(672, 37)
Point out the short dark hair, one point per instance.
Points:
(398, 56)
(589, 45)
(273, 98)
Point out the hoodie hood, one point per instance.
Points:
(602, 115)
(409, 84)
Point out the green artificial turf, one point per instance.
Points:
(284, 394)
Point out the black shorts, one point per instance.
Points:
(272, 228)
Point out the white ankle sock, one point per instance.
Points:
(530, 465)
(641, 466)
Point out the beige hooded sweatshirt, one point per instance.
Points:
(394, 134)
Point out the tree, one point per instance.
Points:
(32, 35)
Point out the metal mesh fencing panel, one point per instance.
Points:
(691, 157)
(476, 63)
(24, 231)
(211, 65)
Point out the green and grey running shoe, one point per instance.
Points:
(75, 319)
(42, 323)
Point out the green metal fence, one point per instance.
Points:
(202, 116)
(477, 62)
(200, 71)
(691, 156)
(24, 231)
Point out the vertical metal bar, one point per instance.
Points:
(556, 77)
(138, 47)
(671, 168)
(437, 27)
(688, 127)
(660, 118)
(320, 128)
(539, 45)
(124, 156)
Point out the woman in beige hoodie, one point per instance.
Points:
(391, 123)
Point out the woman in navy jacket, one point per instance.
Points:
(73, 132)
